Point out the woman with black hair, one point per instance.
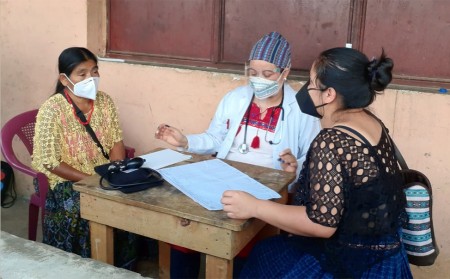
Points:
(349, 206)
(66, 153)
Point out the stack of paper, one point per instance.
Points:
(205, 182)
(163, 158)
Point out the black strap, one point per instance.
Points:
(398, 154)
(88, 127)
(354, 132)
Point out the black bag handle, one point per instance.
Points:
(88, 127)
(398, 154)
(354, 132)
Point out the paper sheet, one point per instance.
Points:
(205, 182)
(163, 158)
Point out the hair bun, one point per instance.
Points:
(380, 72)
(372, 69)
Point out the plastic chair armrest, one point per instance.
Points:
(15, 163)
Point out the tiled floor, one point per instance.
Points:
(14, 220)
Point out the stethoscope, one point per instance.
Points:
(244, 148)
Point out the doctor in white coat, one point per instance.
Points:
(260, 123)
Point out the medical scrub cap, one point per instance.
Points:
(273, 48)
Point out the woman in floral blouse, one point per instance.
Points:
(66, 153)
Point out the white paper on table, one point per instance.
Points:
(205, 182)
(163, 158)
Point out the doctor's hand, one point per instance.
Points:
(171, 135)
(239, 204)
(288, 161)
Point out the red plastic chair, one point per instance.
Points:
(22, 126)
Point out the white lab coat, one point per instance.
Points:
(298, 132)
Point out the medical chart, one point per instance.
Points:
(205, 181)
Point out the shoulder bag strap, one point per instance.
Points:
(354, 132)
(88, 127)
(398, 154)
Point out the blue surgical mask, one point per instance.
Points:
(264, 88)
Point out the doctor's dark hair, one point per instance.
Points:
(69, 59)
(353, 76)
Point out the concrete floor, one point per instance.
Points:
(14, 220)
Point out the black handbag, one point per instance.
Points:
(418, 232)
(128, 176)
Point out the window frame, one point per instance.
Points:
(97, 41)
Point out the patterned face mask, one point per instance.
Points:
(264, 88)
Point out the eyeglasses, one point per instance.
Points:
(309, 82)
(250, 72)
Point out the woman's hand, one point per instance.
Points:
(117, 152)
(239, 204)
(288, 161)
(171, 135)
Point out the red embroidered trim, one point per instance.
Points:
(262, 124)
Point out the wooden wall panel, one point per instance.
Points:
(219, 34)
(310, 26)
(169, 28)
(416, 34)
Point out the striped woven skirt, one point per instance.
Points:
(63, 227)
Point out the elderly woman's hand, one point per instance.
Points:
(171, 135)
(288, 161)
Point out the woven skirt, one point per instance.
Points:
(63, 227)
(282, 257)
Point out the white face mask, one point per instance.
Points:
(86, 88)
(264, 88)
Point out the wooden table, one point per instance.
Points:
(166, 214)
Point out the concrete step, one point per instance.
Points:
(22, 258)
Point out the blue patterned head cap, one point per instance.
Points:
(273, 48)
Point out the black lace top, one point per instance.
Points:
(354, 187)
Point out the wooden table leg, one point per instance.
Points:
(102, 242)
(164, 260)
(218, 267)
